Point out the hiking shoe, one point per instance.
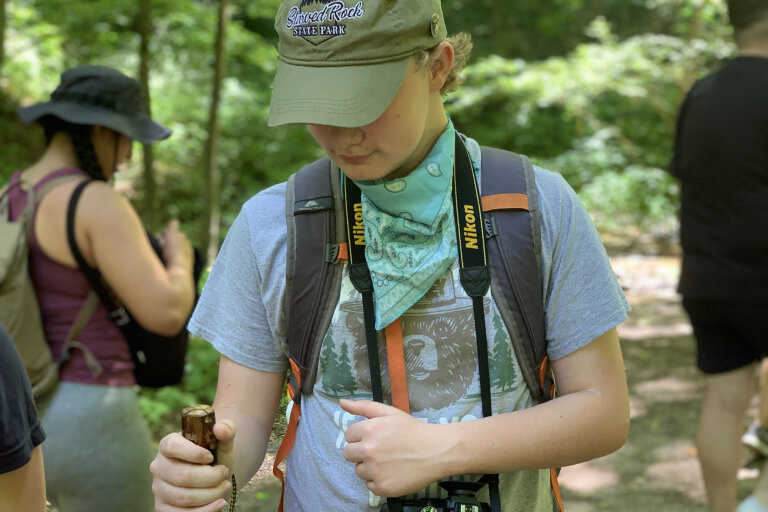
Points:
(756, 439)
(751, 505)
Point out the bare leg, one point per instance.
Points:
(763, 411)
(761, 489)
(721, 425)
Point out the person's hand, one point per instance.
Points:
(177, 249)
(182, 477)
(393, 452)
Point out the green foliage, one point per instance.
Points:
(603, 116)
(535, 30)
(20, 144)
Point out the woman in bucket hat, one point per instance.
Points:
(367, 78)
(98, 446)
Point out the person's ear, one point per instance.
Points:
(442, 60)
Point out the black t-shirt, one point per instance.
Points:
(721, 159)
(20, 430)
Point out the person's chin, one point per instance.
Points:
(363, 172)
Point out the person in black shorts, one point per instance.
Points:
(22, 482)
(721, 160)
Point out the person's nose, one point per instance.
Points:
(349, 136)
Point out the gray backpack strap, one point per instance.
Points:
(315, 229)
(33, 197)
(514, 254)
(71, 342)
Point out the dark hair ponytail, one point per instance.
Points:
(81, 140)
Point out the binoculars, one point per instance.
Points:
(461, 498)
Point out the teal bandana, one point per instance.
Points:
(409, 231)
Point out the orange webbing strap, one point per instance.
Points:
(556, 489)
(285, 448)
(396, 364)
(548, 387)
(504, 202)
(343, 252)
(294, 389)
(546, 382)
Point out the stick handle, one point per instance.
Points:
(197, 426)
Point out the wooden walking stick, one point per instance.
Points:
(197, 426)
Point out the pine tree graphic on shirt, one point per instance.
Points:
(345, 380)
(337, 371)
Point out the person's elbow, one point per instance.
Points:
(615, 420)
(168, 317)
(619, 434)
(171, 323)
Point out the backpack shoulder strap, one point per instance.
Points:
(315, 229)
(115, 313)
(513, 229)
(33, 196)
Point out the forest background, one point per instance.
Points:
(587, 88)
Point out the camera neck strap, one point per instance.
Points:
(360, 276)
(361, 279)
(474, 274)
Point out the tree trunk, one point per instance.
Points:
(695, 32)
(2, 35)
(212, 171)
(144, 28)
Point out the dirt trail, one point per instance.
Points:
(657, 469)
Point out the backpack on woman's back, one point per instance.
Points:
(19, 311)
(158, 360)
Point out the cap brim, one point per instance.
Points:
(345, 96)
(140, 128)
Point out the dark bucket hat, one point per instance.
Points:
(98, 95)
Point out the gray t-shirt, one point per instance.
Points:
(239, 313)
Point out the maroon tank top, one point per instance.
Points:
(61, 291)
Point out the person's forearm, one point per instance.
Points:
(183, 285)
(179, 258)
(178, 299)
(250, 398)
(565, 431)
(251, 439)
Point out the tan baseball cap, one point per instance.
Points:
(342, 61)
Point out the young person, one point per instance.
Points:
(98, 445)
(22, 481)
(721, 160)
(367, 79)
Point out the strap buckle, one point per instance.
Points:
(332, 253)
(489, 223)
(120, 317)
